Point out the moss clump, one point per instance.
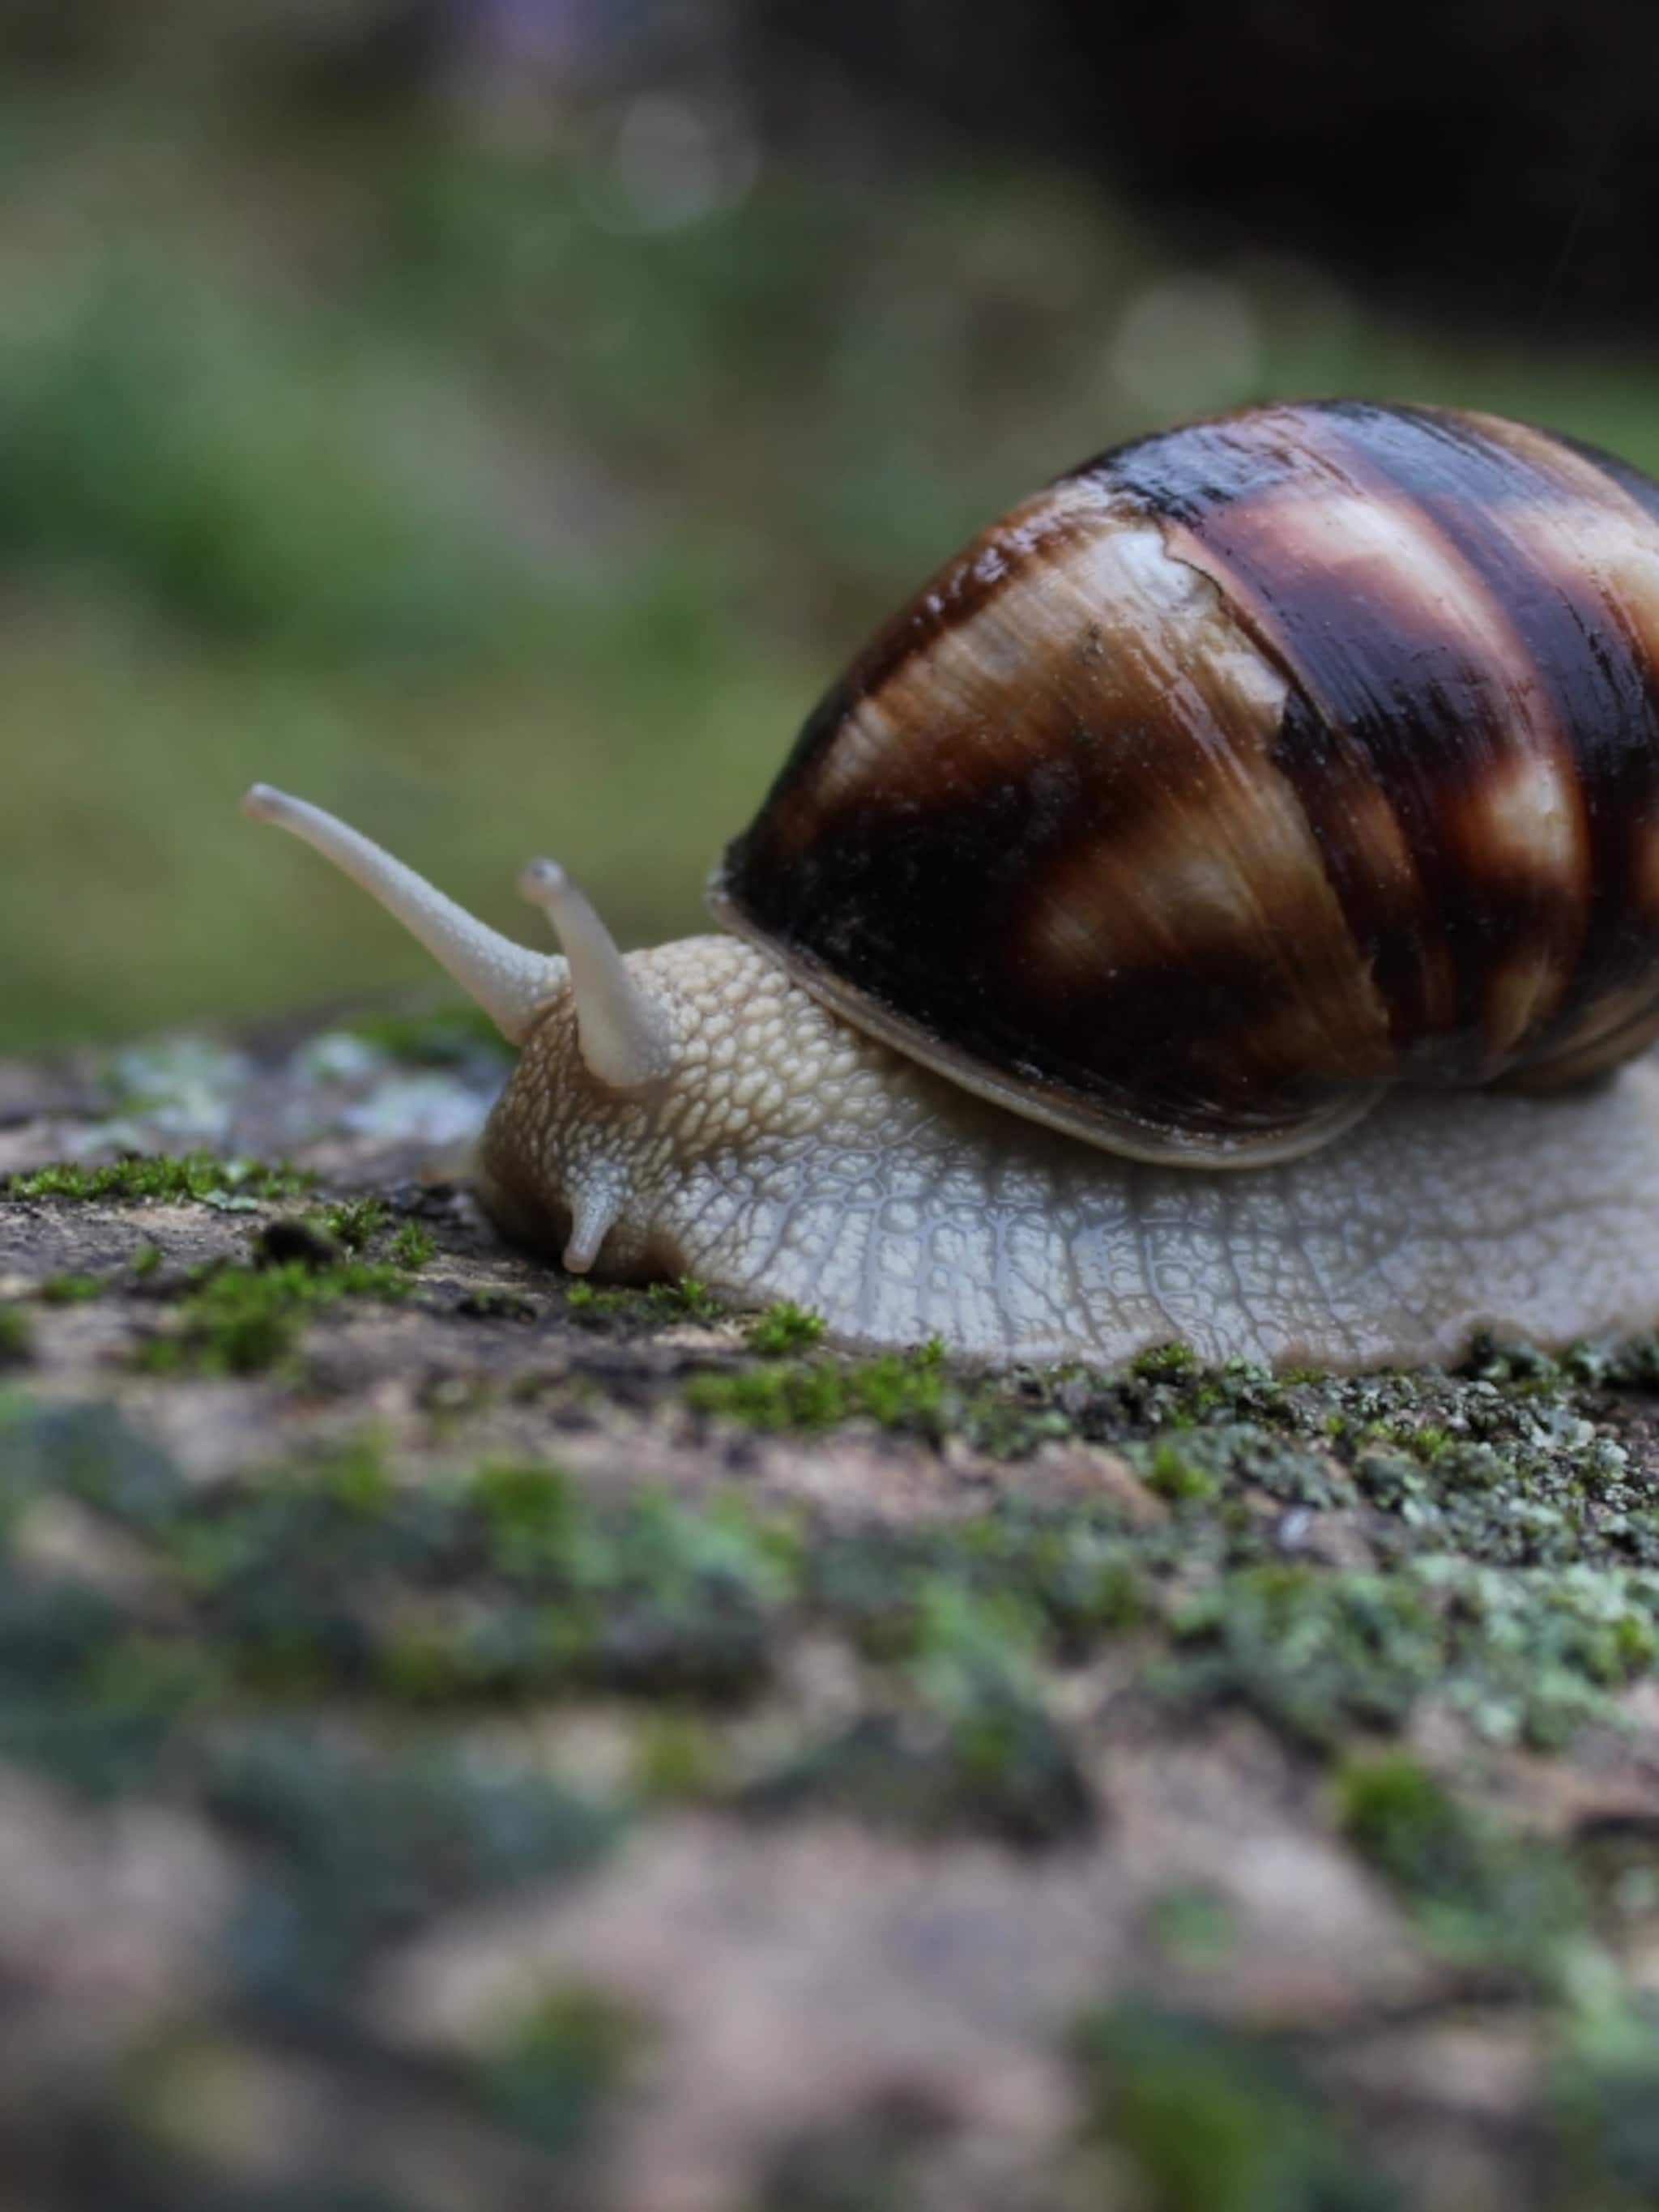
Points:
(411, 1246)
(240, 1320)
(1412, 1830)
(358, 1843)
(899, 1390)
(687, 1299)
(783, 1328)
(1173, 1474)
(550, 2072)
(997, 1766)
(353, 1222)
(72, 1290)
(966, 1741)
(16, 1336)
(1165, 1360)
(160, 1175)
(648, 1597)
(1215, 2120)
(1478, 1888)
(1194, 1926)
(497, 1306)
(676, 1755)
(1600, 2108)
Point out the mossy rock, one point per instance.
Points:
(537, 1742)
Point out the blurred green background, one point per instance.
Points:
(499, 422)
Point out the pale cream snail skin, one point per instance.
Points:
(1130, 944)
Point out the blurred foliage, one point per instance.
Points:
(509, 488)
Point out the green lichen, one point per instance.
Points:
(160, 1175)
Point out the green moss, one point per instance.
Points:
(969, 1744)
(497, 1306)
(676, 1755)
(146, 1261)
(1165, 1360)
(784, 1327)
(353, 1222)
(1201, 1462)
(238, 1320)
(1195, 1927)
(16, 1336)
(1412, 1830)
(1478, 1888)
(685, 1300)
(1214, 2120)
(1601, 2112)
(899, 1390)
(174, 1177)
(997, 1765)
(412, 1247)
(550, 2072)
(72, 1290)
(357, 1843)
(1173, 1475)
(648, 1597)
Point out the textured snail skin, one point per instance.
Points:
(791, 1156)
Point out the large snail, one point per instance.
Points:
(1202, 912)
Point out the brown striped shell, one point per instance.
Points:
(1246, 771)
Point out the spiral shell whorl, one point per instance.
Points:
(1247, 771)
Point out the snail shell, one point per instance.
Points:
(1244, 772)
(1250, 772)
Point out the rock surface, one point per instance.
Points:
(469, 1741)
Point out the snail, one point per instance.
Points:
(1212, 910)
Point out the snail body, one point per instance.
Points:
(1156, 932)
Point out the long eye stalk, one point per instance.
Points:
(622, 1031)
(509, 982)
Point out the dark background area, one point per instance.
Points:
(499, 419)
(1496, 164)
